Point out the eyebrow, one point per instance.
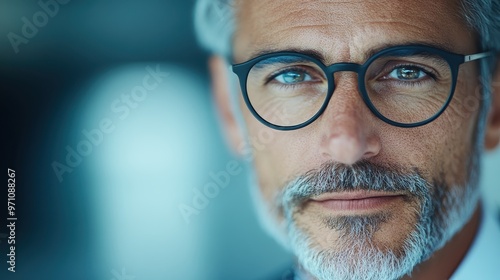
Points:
(310, 52)
(280, 60)
(369, 53)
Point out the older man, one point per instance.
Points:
(374, 116)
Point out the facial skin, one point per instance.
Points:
(347, 132)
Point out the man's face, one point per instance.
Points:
(347, 137)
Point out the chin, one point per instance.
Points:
(375, 245)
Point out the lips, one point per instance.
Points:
(357, 200)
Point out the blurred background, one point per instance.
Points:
(109, 125)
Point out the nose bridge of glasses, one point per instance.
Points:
(343, 66)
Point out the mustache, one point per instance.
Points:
(364, 175)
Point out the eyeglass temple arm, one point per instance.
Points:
(477, 56)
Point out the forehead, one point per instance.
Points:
(347, 29)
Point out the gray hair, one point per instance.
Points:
(483, 16)
(215, 24)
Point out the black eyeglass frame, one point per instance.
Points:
(454, 60)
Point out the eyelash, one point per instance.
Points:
(427, 72)
(419, 82)
(297, 69)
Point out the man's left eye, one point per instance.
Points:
(407, 73)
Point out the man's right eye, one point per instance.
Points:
(290, 77)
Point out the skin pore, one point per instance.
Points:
(347, 132)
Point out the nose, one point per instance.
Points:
(348, 127)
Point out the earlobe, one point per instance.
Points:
(492, 133)
(221, 92)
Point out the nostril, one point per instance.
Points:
(346, 150)
(348, 142)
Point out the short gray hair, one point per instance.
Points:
(483, 16)
(215, 24)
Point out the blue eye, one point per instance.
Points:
(407, 73)
(293, 77)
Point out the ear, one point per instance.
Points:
(221, 90)
(492, 135)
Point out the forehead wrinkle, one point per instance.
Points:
(315, 28)
(316, 16)
(395, 31)
(303, 16)
(323, 10)
(315, 24)
(305, 13)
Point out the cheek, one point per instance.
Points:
(463, 119)
(444, 147)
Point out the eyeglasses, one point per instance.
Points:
(405, 86)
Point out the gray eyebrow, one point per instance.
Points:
(310, 52)
(285, 59)
(369, 53)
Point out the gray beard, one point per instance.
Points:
(441, 212)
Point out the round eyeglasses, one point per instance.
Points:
(405, 86)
